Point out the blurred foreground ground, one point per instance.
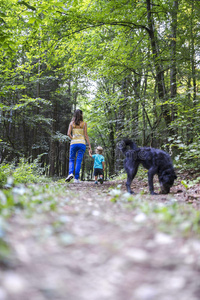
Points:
(94, 249)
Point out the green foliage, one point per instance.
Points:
(184, 183)
(5, 171)
(186, 155)
(58, 136)
(190, 183)
(23, 172)
(54, 52)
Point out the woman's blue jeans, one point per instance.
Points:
(78, 149)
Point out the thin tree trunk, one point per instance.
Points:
(52, 151)
(173, 70)
(192, 56)
(157, 63)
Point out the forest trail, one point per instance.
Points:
(91, 248)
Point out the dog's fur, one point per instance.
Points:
(154, 160)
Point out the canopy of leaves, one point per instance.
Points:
(133, 66)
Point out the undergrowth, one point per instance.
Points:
(22, 172)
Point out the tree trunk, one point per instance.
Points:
(173, 70)
(192, 56)
(157, 63)
(52, 152)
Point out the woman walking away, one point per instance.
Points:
(77, 131)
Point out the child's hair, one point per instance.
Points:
(78, 116)
(99, 150)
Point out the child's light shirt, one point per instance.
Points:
(98, 159)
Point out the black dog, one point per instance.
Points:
(154, 160)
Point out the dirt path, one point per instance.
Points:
(93, 249)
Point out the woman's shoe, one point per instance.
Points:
(76, 181)
(69, 177)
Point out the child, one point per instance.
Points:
(99, 164)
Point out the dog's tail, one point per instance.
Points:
(127, 144)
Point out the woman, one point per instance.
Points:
(77, 131)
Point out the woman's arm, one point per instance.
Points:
(70, 130)
(87, 137)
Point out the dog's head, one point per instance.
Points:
(166, 180)
(125, 145)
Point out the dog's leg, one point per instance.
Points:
(131, 172)
(128, 184)
(151, 173)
